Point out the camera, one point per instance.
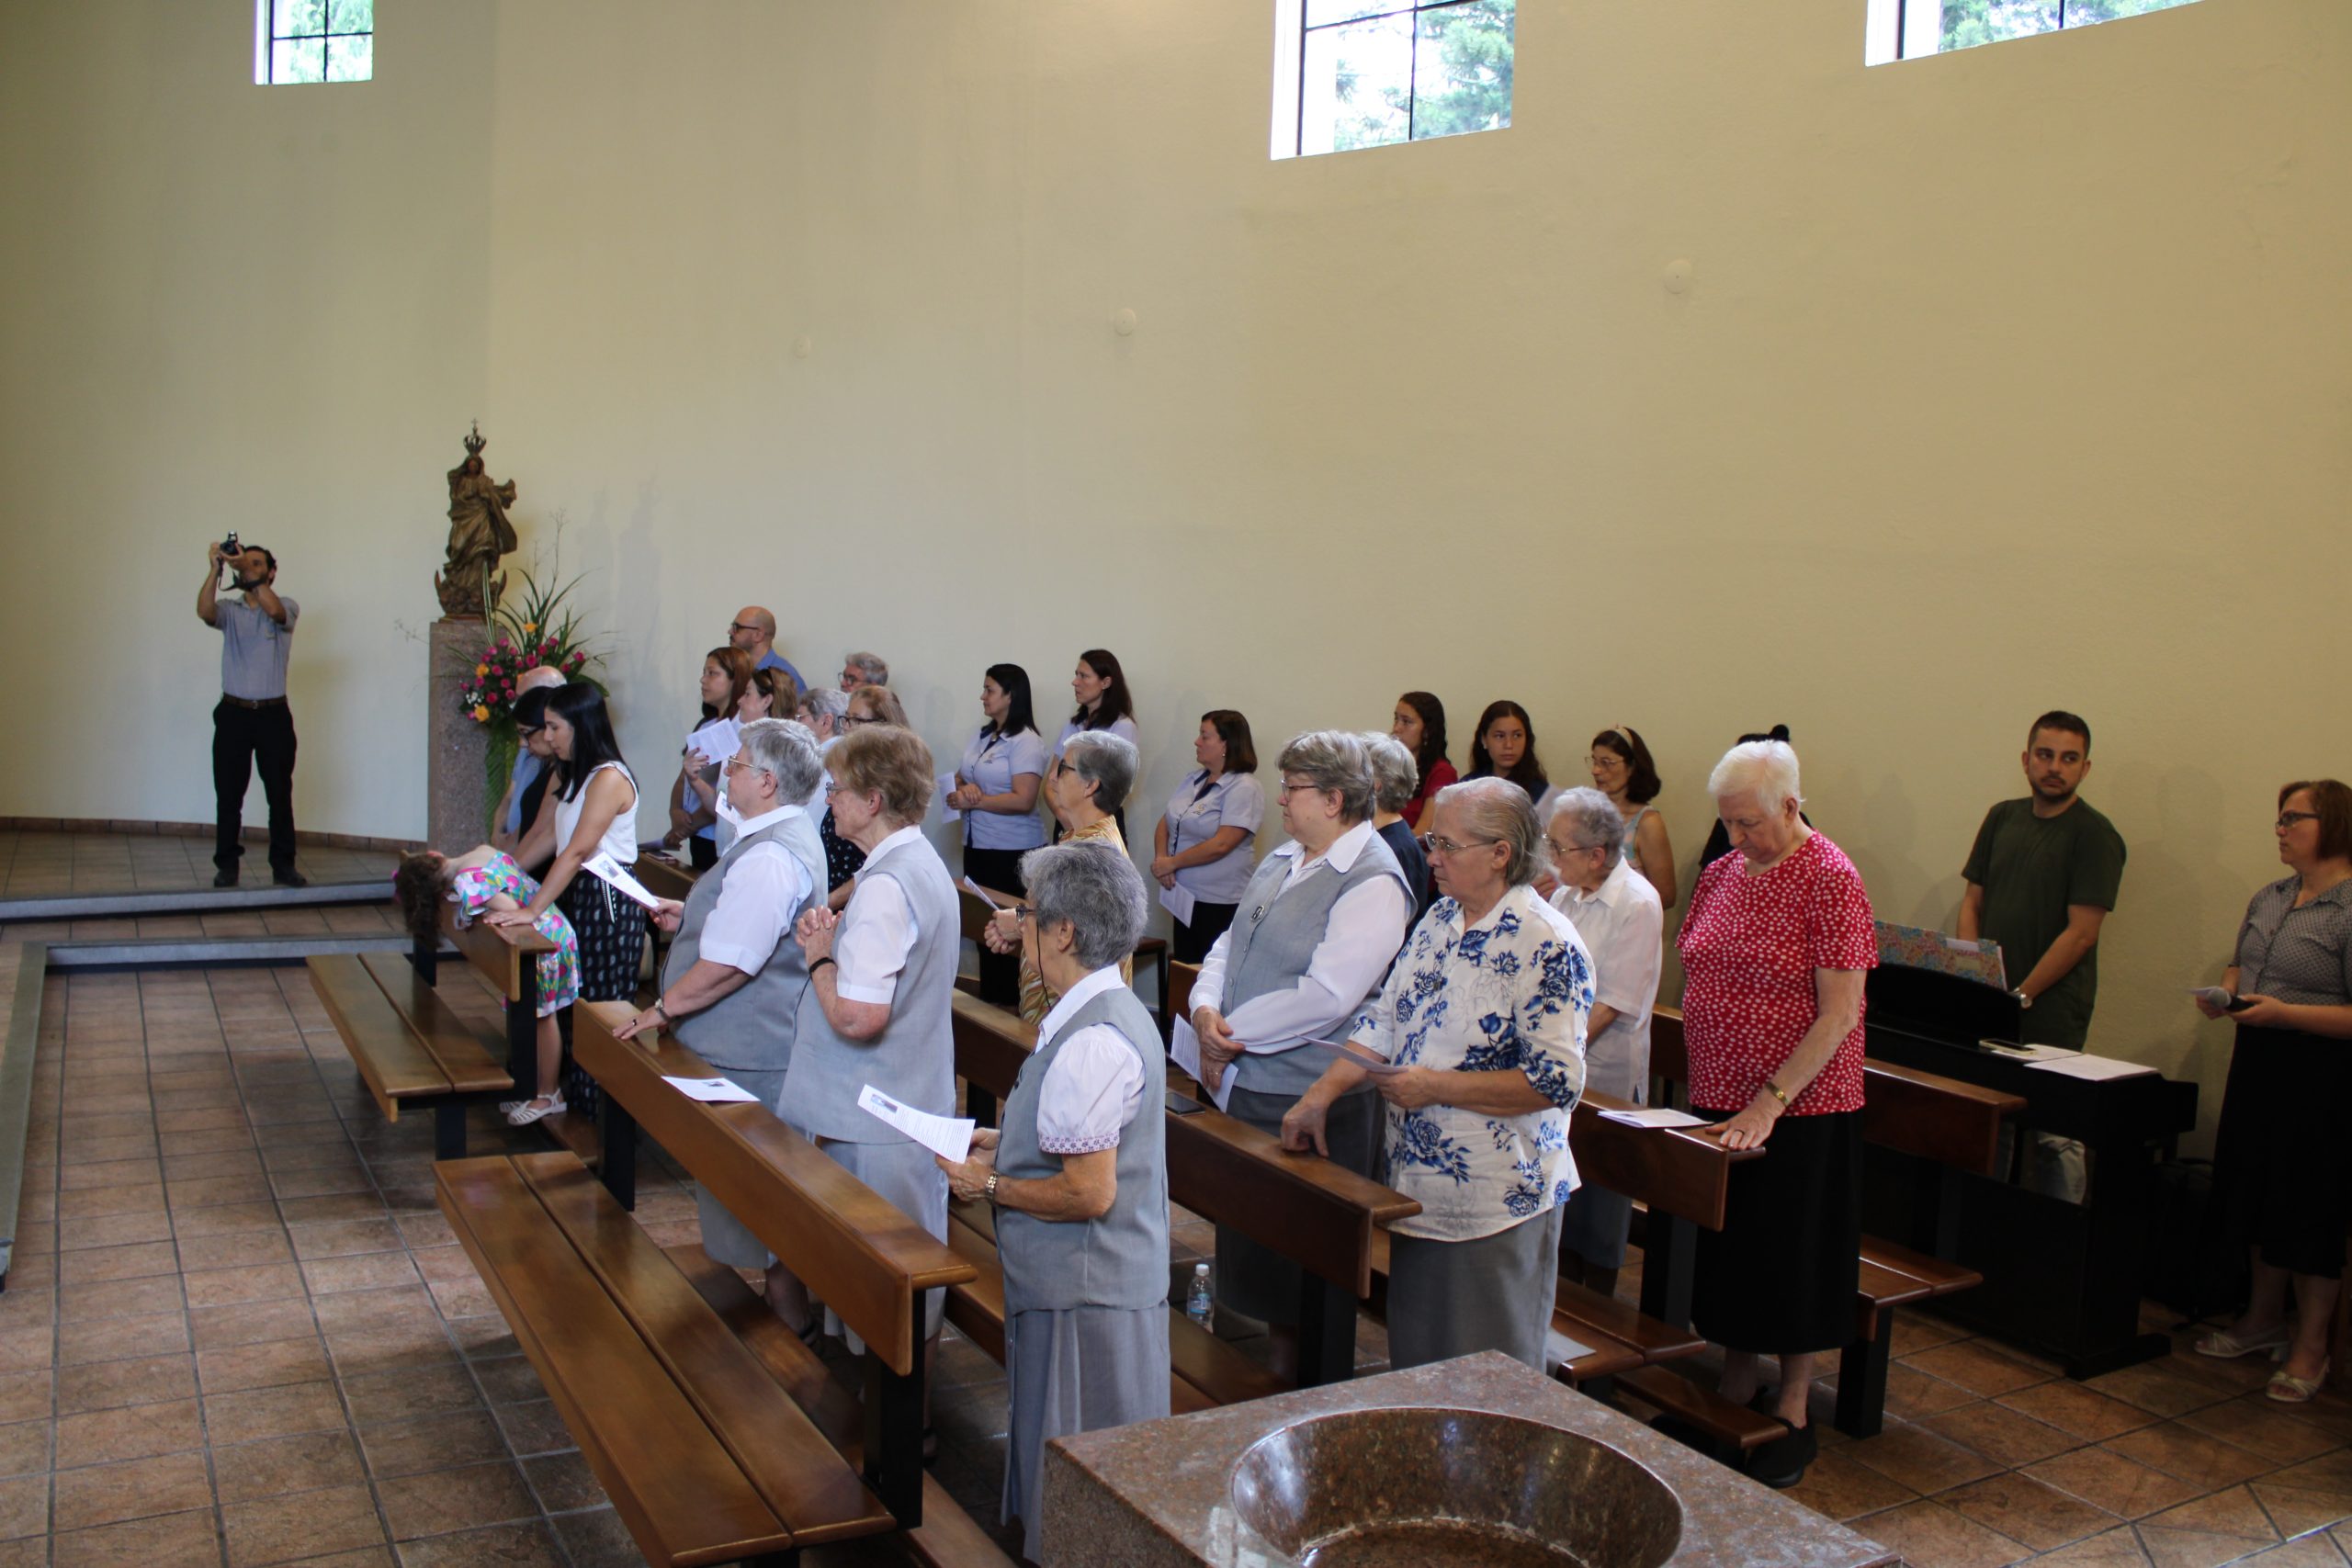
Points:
(232, 549)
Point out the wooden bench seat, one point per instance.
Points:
(409, 1047)
(705, 1458)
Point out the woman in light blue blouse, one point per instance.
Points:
(1101, 688)
(1481, 1029)
(1204, 843)
(996, 789)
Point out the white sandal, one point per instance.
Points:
(530, 1110)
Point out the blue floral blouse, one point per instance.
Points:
(1513, 991)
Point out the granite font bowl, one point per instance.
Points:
(1383, 1488)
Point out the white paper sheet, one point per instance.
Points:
(982, 894)
(2097, 1069)
(713, 1091)
(605, 866)
(717, 742)
(1177, 902)
(946, 787)
(1184, 1049)
(950, 1137)
(1655, 1116)
(1559, 1350)
(2028, 1054)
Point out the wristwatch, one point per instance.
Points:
(988, 1191)
(2023, 1000)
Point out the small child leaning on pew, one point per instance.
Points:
(481, 880)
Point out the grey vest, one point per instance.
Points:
(753, 1028)
(1120, 1259)
(1274, 936)
(914, 1059)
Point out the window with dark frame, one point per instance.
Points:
(313, 40)
(1910, 30)
(1356, 74)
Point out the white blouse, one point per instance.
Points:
(620, 834)
(1095, 1086)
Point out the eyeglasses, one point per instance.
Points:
(1435, 844)
(1605, 759)
(850, 721)
(1289, 788)
(740, 626)
(741, 760)
(2288, 818)
(1560, 852)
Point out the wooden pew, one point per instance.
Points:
(1949, 1128)
(1302, 1206)
(717, 1433)
(411, 1048)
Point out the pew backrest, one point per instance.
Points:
(871, 1261)
(500, 953)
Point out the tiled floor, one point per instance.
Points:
(237, 1332)
(34, 863)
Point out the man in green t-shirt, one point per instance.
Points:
(2041, 879)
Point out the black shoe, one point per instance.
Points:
(289, 879)
(225, 879)
(1781, 1462)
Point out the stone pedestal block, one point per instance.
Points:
(457, 818)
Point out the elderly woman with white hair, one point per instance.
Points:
(1078, 1177)
(1480, 1035)
(1774, 947)
(1315, 930)
(732, 983)
(1619, 914)
(1396, 783)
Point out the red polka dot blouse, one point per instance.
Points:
(1749, 946)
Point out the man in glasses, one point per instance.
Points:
(2041, 879)
(753, 631)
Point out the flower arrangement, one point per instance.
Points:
(525, 628)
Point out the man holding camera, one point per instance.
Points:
(252, 723)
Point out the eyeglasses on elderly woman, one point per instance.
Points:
(1439, 844)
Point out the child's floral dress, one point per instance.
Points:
(471, 891)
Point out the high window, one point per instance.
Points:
(314, 41)
(1352, 73)
(1905, 29)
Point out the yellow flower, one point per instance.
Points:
(482, 668)
(531, 627)
(481, 715)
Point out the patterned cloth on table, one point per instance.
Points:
(471, 891)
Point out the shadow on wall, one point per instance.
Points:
(2198, 870)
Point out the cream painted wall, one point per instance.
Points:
(2008, 379)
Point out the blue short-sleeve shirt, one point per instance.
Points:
(1196, 811)
(993, 761)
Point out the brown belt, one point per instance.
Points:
(253, 702)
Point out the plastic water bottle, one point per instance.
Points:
(1198, 1304)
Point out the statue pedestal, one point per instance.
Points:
(455, 816)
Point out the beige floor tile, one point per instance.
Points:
(100, 1385)
(299, 1525)
(137, 1432)
(109, 1493)
(172, 1540)
(304, 1462)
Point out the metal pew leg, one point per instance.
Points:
(620, 1154)
(1861, 1379)
(894, 1433)
(1327, 1333)
(449, 1130)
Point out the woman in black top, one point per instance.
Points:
(2282, 1167)
(1504, 746)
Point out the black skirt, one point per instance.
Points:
(1191, 944)
(2282, 1167)
(611, 930)
(1778, 1278)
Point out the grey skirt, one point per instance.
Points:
(1077, 1370)
(1456, 1298)
(725, 1237)
(905, 1175)
(1256, 1281)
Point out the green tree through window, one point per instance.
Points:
(1371, 72)
(316, 41)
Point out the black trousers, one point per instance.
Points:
(1000, 871)
(242, 737)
